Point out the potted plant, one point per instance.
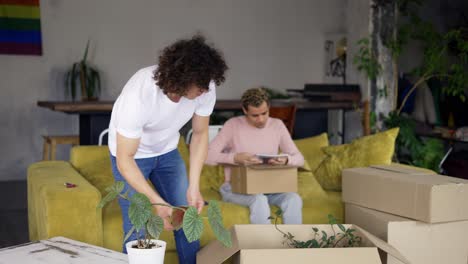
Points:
(87, 76)
(148, 226)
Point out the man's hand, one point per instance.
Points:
(165, 213)
(278, 161)
(195, 198)
(245, 158)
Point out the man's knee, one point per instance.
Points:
(259, 209)
(292, 199)
(259, 200)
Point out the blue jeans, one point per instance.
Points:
(168, 175)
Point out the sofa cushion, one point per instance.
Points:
(212, 177)
(316, 211)
(308, 186)
(311, 149)
(369, 150)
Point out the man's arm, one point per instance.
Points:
(287, 146)
(198, 152)
(223, 141)
(218, 145)
(126, 150)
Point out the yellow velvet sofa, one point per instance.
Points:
(55, 210)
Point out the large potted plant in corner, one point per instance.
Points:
(148, 226)
(86, 76)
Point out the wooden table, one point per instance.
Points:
(94, 116)
(59, 250)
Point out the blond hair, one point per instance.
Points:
(254, 97)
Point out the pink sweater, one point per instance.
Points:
(237, 135)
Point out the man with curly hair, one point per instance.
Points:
(237, 143)
(144, 131)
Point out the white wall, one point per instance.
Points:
(275, 43)
(356, 15)
(357, 23)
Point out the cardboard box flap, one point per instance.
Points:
(216, 252)
(383, 245)
(406, 169)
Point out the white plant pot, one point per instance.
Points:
(146, 256)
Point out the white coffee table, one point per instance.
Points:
(60, 250)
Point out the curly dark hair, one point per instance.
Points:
(254, 97)
(189, 62)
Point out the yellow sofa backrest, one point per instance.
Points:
(93, 162)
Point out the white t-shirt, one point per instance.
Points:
(143, 111)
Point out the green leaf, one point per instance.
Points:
(117, 187)
(113, 192)
(331, 219)
(155, 226)
(342, 227)
(129, 233)
(324, 235)
(108, 198)
(315, 229)
(84, 72)
(140, 210)
(216, 222)
(192, 225)
(73, 76)
(315, 243)
(85, 56)
(279, 212)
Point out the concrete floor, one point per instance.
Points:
(13, 213)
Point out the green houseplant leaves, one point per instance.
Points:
(148, 225)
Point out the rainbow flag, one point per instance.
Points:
(20, 27)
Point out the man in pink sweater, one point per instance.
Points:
(237, 143)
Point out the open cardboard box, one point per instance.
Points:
(253, 244)
(263, 179)
(420, 243)
(407, 191)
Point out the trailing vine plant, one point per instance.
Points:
(344, 237)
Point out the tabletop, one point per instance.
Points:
(78, 107)
(60, 250)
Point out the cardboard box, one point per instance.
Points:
(263, 179)
(420, 243)
(254, 244)
(408, 192)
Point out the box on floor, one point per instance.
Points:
(407, 191)
(264, 244)
(420, 243)
(263, 179)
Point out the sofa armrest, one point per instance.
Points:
(55, 210)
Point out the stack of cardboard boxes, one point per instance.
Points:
(421, 214)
